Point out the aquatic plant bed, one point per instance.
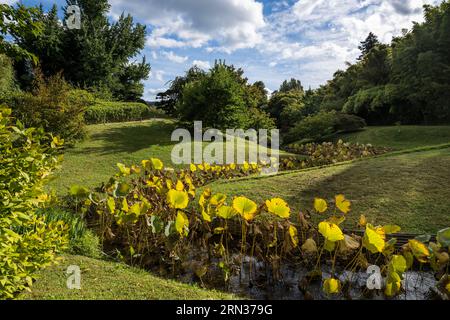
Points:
(156, 219)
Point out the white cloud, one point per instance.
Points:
(231, 24)
(201, 64)
(173, 57)
(157, 75)
(323, 34)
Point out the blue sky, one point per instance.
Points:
(271, 40)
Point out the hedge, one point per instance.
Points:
(105, 112)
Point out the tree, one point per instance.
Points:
(170, 98)
(368, 44)
(217, 99)
(291, 85)
(18, 21)
(100, 54)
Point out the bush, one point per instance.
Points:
(82, 240)
(54, 106)
(323, 124)
(7, 81)
(28, 242)
(105, 112)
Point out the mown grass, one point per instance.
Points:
(104, 280)
(410, 190)
(94, 160)
(400, 137)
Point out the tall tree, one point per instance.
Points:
(291, 85)
(368, 44)
(100, 54)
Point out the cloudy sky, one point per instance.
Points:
(271, 40)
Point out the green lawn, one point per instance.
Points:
(94, 160)
(104, 280)
(400, 137)
(411, 190)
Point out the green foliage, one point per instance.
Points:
(170, 98)
(291, 85)
(97, 55)
(315, 154)
(286, 107)
(18, 21)
(87, 245)
(407, 81)
(53, 106)
(323, 124)
(28, 242)
(217, 99)
(7, 80)
(106, 111)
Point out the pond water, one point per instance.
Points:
(291, 284)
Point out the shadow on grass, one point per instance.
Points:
(409, 191)
(129, 139)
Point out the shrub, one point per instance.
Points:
(81, 240)
(105, 112)
(28, 243)
(328, 153)
(53, 106)
(323, 124)
(7, 83)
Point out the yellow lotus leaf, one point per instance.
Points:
(419, 250)
(179, 186)
(177, 199)
(205, 195)
(157, 164)
(123, 169)
(192, 167)
(390, 229)
(374, 239)
(293, 233)
(226, 212)
(398, 264)
(393, 284)
(278, 207)
(111, 205)
(362, 220)
(182, 224)
(245, 207)
(218, 199)
(206, 216)
(309, 246)
(342, 204)
(124, 205)
(330, 231)
(331, 286)
(320, 205)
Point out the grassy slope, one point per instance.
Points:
(410, 190)
(103, 280)
(401, 137)
(94, 160)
